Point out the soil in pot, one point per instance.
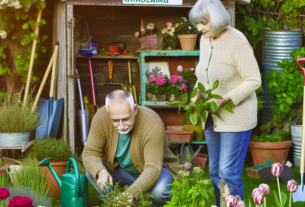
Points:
(274, 151)
(201, 159)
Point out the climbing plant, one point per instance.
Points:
(17, 32)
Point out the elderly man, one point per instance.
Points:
(127, 144)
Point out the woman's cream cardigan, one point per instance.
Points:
(232, 62)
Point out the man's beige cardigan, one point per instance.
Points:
(232, 62)
(148, 150)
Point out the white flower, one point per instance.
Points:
(142, 29)
(3, 34)
(169, 24)
(136, 34)
(177, 25)
(187, 173)
(17, 5)
(10, 3)
(171, 33)
(197, 170)
(150, 26)
(4, 2)
(206, 182)
(189, 27)
(173, 30)
(164, 31)
(184, 19)
(169, 27)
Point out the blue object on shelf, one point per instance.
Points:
(93, 50)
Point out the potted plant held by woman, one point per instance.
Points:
(156, 88)
(58, 151)
(16, 121)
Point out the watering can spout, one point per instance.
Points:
(46, 162)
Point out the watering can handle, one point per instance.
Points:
(200, 147)
(303, 69)
(77, 177)
(119, 41)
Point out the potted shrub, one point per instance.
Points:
(59, 153)
(178, 33)
(156, 88)
(175, 88)
(266, 147)
(149, 41)
(16, 121)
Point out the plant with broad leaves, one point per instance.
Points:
(196, 112)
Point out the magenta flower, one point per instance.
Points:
(185, 90)
(241, 204)
(192, 69)
(194, 74)
(2, 172)
(152, 79)
(160, 80)
(276, 169)
(230, 201)
(180, 79)
(174, 79)
(4, 193)
(184, 86)
(292, 186)
(180, 88)
(258, 196)
(265, 188)
(186, 166)
(17, 201)
(180, 68)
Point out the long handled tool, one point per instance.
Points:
(89, 57)
(110, 70)
(131, 88)
(50, 109)
(28, 82)
(83, 115)
(300, 194)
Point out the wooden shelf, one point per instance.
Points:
(109, 57)
(158, 104)
(194, 142)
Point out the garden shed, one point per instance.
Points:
(111, 20)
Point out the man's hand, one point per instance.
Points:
(219, 102)
(103, 177)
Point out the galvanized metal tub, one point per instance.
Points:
(296, 138)
(277, 46)
(14, 139)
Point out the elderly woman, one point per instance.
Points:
(226, 55)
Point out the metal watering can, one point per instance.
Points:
(74, 187)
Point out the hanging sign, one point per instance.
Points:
(162, 2)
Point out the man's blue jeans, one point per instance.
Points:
(159, 191)
(227, 153)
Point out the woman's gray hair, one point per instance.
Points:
(214, 10)
(125, 95)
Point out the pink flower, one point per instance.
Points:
(152, 79)
(142, 29)
(276, 169)
(186, 165)
(292, 186)
(180, 88)
(184, 86)
(2, 172)
(18, 201)
(194, 74)
(169, 24)
(192, 69)
(241, 204)
(4, 193)
(160, 80)
(230, 201)
(180, 68)
(258, 196)
(180, 79)
(265, 188)
(174, 79)
(213, 206)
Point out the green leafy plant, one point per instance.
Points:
(5, 180)
(157, 86)
(191, 189)
(267, 138)
(57, 150)
(145, 32)
(196, 112)
(31, 176)
(175, 86)
(17, 32)
(15, 117)
(173, 29)
(259, 95)
(286, 86)
(189, 75)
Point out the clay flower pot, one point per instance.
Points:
(201, 159)
(188, 41)
(180, 135)
(274, 151)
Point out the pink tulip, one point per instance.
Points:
(180, 88)
(180, 68)
(230, 201)
(276, 169)
(192, 69)
(265, 188)
(160, 80)
(174, 79)
(292, 186)
(152, 79)
(180, 79)
(241, 204)
(258, 196)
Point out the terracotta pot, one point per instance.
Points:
(274, 151)
(188, 41)
(201, 159)
(180, 136)
(60, 168)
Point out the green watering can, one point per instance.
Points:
(74, 187)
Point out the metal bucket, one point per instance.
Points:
(14, 139)
(277, 46)
(296, 137)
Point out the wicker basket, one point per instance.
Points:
(252, 173)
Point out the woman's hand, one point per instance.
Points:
(196, 97)
(219, 102)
